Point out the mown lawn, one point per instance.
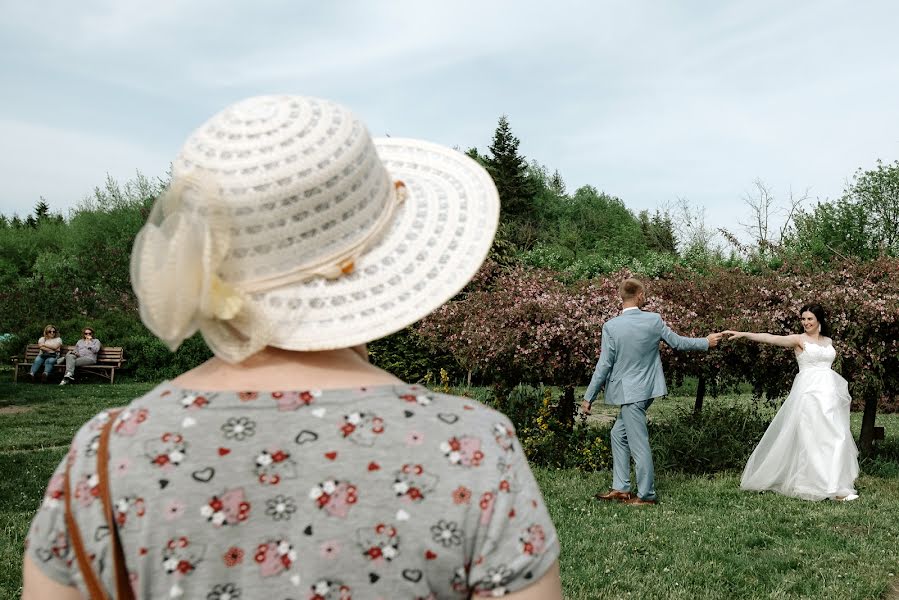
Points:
(705, 540)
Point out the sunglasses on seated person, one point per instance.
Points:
(91, 333)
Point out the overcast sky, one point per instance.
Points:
(647, 101)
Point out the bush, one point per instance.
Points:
(406, 355)
(547, 441)
(151, 360)
(721, 437)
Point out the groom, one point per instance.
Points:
(630, 368)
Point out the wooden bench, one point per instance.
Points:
(109, 359)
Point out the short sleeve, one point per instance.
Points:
(48, 543)
(516, 542)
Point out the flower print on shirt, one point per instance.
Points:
(195, 401)
(224, 591)
(168, 451)
(334, 497)
(294, 400)
(420, 399)
(87, 489)
(55, 493)
(280, 508)
(463, 451)
(180, 558)
(238, 428)
(380, 543)
(99, 420)
(228, 508)
(128, 510)
(130, 420)
(533, 540)
(504, 436)
(327, 589)
(274, 557)
(92, 447)
(274, 465)
(412, 483)
(493, 584)
(486, 504)
(362, 428)
(233, 556)
(447, 533)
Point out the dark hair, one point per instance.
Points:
(818, 311)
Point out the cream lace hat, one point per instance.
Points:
(286, 225)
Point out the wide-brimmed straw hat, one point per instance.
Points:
(286, 225)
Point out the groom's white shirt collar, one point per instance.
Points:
(624, 310)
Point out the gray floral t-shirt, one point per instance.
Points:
(385, 492)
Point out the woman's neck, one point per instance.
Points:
(276, 369)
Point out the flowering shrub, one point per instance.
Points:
(529, 325)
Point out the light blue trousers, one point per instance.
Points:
(41, 361)
(630, 438)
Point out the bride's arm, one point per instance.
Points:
(787, 341)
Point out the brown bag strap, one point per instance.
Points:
(122, 579)
(91, 581)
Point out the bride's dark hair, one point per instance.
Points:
(819, 313)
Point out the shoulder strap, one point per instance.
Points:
(122, 579)
(91, 581)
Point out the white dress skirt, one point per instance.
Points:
(808, 451)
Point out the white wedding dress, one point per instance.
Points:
(808, 451)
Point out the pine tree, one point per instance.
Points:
(557, 184)
(658, 232)
(509, 171)
(41, 210)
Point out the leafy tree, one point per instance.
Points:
(877, 190)
(863, 223)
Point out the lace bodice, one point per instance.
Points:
(816, 356)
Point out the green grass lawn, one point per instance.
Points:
(706, 539)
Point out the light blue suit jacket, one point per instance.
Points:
(629, 364)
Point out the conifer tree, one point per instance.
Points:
(509, 171)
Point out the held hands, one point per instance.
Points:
(714, 338)
(734, 335)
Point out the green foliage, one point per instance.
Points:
(546, 440)
(658, 232)
(407, 356)
(721, 437)
(509, 171)
(862, 224)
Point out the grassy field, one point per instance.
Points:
(705, 540)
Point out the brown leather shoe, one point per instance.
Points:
(43, 378)
(615, 496)
(637, 501)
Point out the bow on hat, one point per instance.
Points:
(174, 271)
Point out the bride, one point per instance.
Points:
(807, 451)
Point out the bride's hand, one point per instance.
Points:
(733, 335)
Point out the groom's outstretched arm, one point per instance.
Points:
(603, 366)
(679, 342)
